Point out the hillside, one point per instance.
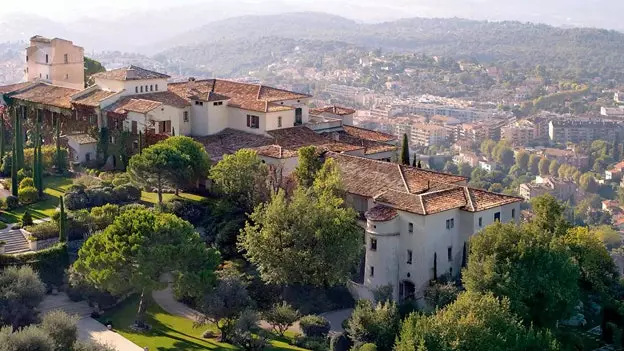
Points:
(581, 53)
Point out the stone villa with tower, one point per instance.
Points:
(414, 219)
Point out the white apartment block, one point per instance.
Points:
(427, 134)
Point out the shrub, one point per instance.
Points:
(27, 218)
(88, 181)
(50, 263)
(12, 202)
(368, 347)
(62, 328)
(92, 346)
(127, 193)
(121, 179)
(312, 343)
(440, 294)
(44, 230)
(374, 324)
(28, 195)
(6, 165)
(281, 317)
(29, 338)
(3, 225)
(23, 173)
(76, 200)
(314, 326)
(21, 291)
(26, 182)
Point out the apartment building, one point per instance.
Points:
(415, 220)
(452, 126)
(567, 130)
(519, 133)
(427, 134)
(401, 129)
(561, 189)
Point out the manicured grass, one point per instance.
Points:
(53, 188)
(168, 332)
(152, 198)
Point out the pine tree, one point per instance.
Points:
(404, 159)
(62, 237)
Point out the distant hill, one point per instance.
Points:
(577, 51)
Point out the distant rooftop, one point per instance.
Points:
(130, 73)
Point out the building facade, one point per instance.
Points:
(56, 61)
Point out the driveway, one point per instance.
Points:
(88, 328)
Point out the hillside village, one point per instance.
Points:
(175, 198)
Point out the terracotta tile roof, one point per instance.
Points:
(229, 141)
(13, 87)
(275, 151)
(81, 139)
(370, 147)
(411, 189)
(381, 213)
(208, 96)
(93, 98)
(336, 110)
(252, 97)
(368, 134)
(300, 136)
(165, 97)
(133, 104)
(130, 73)
(43, 93)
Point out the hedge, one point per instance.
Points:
(44, 230)
(50, 263)
(78, 198)
(314, 326)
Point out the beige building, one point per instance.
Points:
(562, 189)
(427, 134)
(415, 220)
(520, 133)
(56, 61)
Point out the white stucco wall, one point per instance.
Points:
(80, 151)
(237, 119)
(287, 165)
(288, 119)
(130, 85)
(385, 259)
(300, 103)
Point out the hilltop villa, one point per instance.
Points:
(417, 221)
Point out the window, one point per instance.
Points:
(136, 89)
(164, 127)
(298, 116)
(151, 87)
(146, 88)
(373, 244)
(409, 256)
(513, 213)
(66, 76)
(134, 127)
(26, 58)
(279, 122)
(449, 253)
(141, 88)
(39, 75)
(410, 227)
(46, 58)
(200, 103)
(156, 87)
(480, 222)
(47, 77)
(185, 114)
(66, 58)
(372, 271)
(497, 216)
(450, 223)
(253, 121)
(218, 103)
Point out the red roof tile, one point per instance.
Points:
(167, 98)
(132, 104)
(42, 93)
(130, 73)
(381, 213)
(336, 110)
(368, 134)
(93, 98)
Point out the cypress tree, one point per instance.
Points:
(59, 162)
(38, 160)
(19, 138)
(62, 237)
(40, 169)
(435, 266)
(414, 161)
(464, 256)
(13, 173)
(140, 143)
(2, 141)
(419, 165)
(404, 159)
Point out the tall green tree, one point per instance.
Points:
(487, 147)
(131, 254)
(404, 157)
(14, 182)
(196, 156)
(319, 248)
(19, 137)
(553, 168)
(58, 156)
(62, 221)
(523, 264)
(159, 165)
(474, 322)
(549, 215)
(374, 324)
(2, 137)
(522, 160)
(534, 161)
(241, 178)
(544, 166)
(309, 163)
(140, 142)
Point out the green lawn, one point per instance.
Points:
(168, 332)
(152, 198)
(54, 187)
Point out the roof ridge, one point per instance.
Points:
(403, 178)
